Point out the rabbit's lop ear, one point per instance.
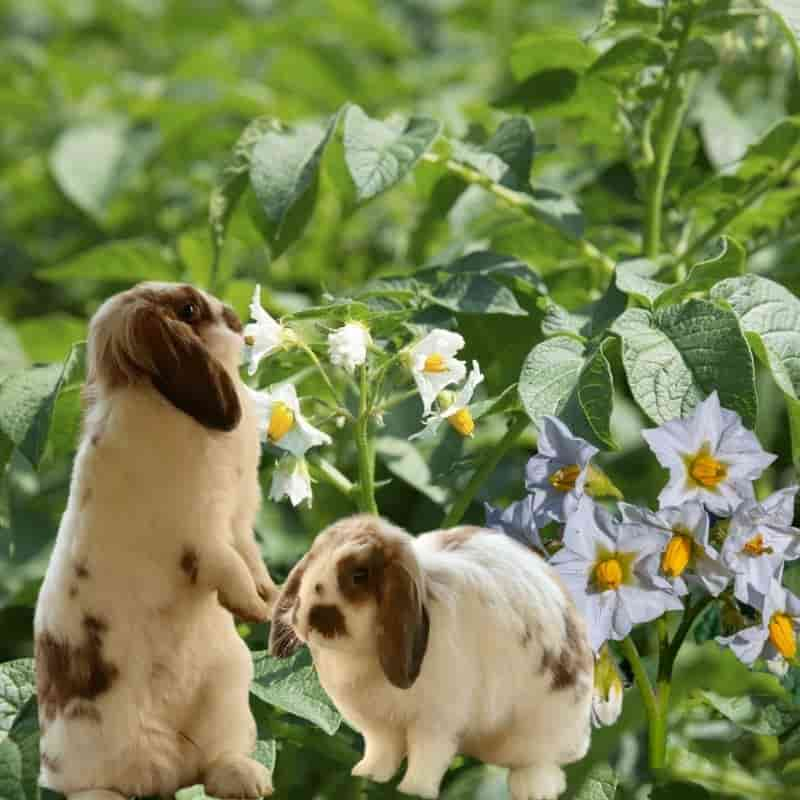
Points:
(403, 622)
(283, 641)
(185, 372)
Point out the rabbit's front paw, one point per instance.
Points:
(250, 608)
(237, 776)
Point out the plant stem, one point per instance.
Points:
(396, 400)
(675, 106)
(657, 733)
(689, 616)
(323, 470)
(366, 457)
(519, 201)
(487, 467)
(331, 388)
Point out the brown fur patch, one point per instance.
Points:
(232, 319)
(328, 620)
(66, 671)
(81, 570)
(80, 710)
(457, 537)
(574, 659)
(73, 590)
(319, 589)
(358, 575)
(190, 564)
(50, 763)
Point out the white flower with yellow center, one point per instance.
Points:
(456, 410)
(775, 638)
(434, 366)
(760, 540)
(557, 474)
(711, 457)
(266, 335)
(348, 345)
(602, 564)
(686, 558)
(282, 424)
(291, 479)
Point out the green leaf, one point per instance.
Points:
(92, 162)
(770, 316)
(265, 753)
(233, 181)
(284, 173)
(675, 789)
(12, 353)
(756, 714)
(379, 154)
(637, 277)
(677, 356)
(17, 686)
(558, 378)
(25, 734)
(549, 50)
(121, 261)
(292, 685)
(479, 783)
(601, 784)
(11, 787)
(477, 294)
(49, 337)
(405, 461)
(627, 57)
(28, 398)
(788, 14)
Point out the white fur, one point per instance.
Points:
(148, 483)
(482, 689)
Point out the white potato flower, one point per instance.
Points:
(282, 424)
(457, 413)
(291, 479)
(434, 366)
(266, 335)
(348, 345)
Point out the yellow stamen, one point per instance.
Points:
(756, 547)
(608, 574)
(564, 479)
(249, 340)
(782, 635)
(462, 421)
(435, 363)
(281, 422)
(677, 555)
(705, 469)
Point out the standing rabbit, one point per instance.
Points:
(459, 641)
(142, 678)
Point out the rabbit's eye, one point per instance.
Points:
(359, 577)
(188, 312)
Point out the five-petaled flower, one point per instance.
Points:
(434, 366)
(760, 539)
(456, 411)
(685, 558)
(266, 335)
(518, 521)
(711, 457)
(557, 475)
(282, 424)
(291, 479)
(775, 638)
(602, 564)
(348, 345)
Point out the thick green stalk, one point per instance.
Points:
(689, 616)
(323, 470)
(657, 728)
(670, 122)
(487, 467)
(366, 457)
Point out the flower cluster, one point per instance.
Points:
(709, 535)
(430, 362)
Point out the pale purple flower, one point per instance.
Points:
(760, 540)
(602, 563)
(557, 474)
(711, 457)
(775, 638)
(518, 521)
(685, 559)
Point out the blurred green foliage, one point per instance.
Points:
(119, 120)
